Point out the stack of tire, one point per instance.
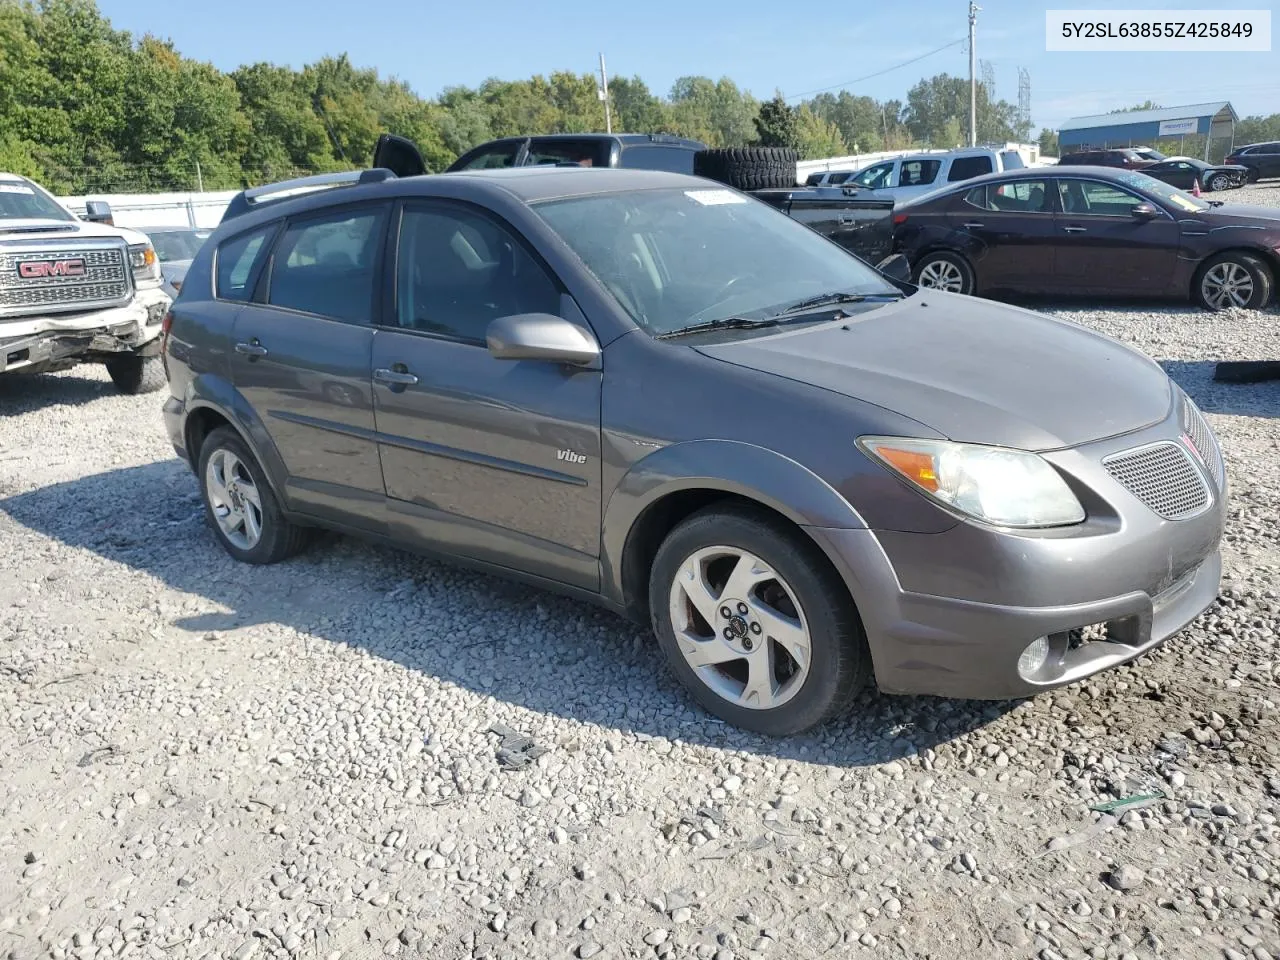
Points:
(748, 168)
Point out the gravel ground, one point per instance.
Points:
(202, 759)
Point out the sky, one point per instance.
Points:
(761, 45)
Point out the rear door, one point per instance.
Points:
(1267, 159)
(496, 460)
(1100, 247)
(1010, 227)
(302, 359)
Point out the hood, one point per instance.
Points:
(175, 269)
(974, 370)
(1241, 214)
(38, 229)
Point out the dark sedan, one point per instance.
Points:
(1185, 172)
(1093, 231)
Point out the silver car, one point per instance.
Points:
(175, 248)
(666, 397)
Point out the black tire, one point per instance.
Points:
(840, 662)
(748, 168)
(280, 538)
(1253, 175)
(133, 374)
(1219, 181)
(945, 259)
(1259, 273)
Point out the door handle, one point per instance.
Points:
(973, 225)
(253, 349)
(1074, 229)
(395, 378)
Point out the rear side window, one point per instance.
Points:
(966, 168)
(238, 259)
(916, 173)
(326, 265)
(1016, 196)
(1012, 160)
(645, 157)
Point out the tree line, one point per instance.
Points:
(87, 108)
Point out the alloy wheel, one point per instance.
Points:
(740, 628)
(1227, 284)
(234, 499)
(942, 275)
(1219, 183)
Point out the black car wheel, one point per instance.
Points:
(1233, 279)
(754, 622)
(133, 374)
(1253, 175)
(1219, 181)
(941, 270)
(240, 505)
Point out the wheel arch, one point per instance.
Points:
(657, 493)
(212, 403)
(1269, 257)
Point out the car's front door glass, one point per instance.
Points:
(460, 270)
(496, 159)
(875, 177)
(1098, 199)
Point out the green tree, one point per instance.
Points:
(818, 138)
(778, 125)
(1048, 141)
(932, 105)
(1145, 105)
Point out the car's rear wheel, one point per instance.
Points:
(134, 374)
(944, 271)
(1233, 279)
(1219, 181)
(239, 504)
(755, 624)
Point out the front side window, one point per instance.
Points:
(1015, 196)
(875, 177)
(1012, 160)
(966, 168)
(327, 265)
(674, 257)
(672, 159)
(1267, 148)
(499, 157)
(458, 270)
(1098, 199)
(237, 259)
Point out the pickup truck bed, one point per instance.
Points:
(863, 227)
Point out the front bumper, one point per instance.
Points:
(949, 614)
(53, 339)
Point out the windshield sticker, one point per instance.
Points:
(1186, 203)
(710, 198)
(17, 188)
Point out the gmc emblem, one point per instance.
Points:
(35, 269)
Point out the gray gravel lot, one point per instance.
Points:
(202, 759)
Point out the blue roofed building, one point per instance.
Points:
(1211, 121)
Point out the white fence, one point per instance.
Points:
(142, 210)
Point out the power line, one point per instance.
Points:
(904, 63)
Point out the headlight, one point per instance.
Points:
(1008, 488)
(143, 260)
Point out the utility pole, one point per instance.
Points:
(973, 78)
(604, 95)
(199, 178)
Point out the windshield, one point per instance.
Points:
(177, 244)
(676, 257)
(20, 200)
(1171, 195)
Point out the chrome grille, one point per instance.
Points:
(105, 281)
(1163, 477)
(1197, 428)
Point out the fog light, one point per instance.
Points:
(1033, 658)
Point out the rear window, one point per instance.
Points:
(646, 157)
(238, 259)
(966, 168)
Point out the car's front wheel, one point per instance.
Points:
(1233, 279)
(754, 622)
(1220, 182)
(133, 374)
(239, 503)
(944, 271)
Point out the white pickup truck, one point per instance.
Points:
(76, 291)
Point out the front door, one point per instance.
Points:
(1102, 248)
(302, 360)
(497, 460)
(1011, 231)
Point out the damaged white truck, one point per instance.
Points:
(76, 291)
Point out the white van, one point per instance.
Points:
(918, 173)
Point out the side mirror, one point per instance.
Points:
(1145, 211)
(541, 336)
(896, 267)
(98, 211)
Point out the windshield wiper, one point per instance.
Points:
(833, 299)
(723, 323)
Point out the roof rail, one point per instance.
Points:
(247, 200)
